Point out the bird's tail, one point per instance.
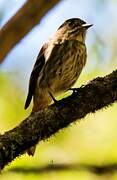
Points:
(38, 104)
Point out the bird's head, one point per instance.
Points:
(75, 28)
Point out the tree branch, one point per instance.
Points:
(93, 168)
(99, 93)
(22, 22)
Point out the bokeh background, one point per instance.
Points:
(93, 139)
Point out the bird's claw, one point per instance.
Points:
(82, 86)
(75, 90)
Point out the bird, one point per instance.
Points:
(58, 65)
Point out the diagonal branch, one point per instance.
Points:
(98, 94)
(22, 22)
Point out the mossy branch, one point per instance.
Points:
(99, 93)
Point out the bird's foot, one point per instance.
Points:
(75, 90)
(53, 98)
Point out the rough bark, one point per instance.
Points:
(22, 22)
(98, 94)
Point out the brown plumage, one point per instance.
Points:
(58, 65)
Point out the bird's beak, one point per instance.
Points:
(87, 25)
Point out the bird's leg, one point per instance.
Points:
(53, 98)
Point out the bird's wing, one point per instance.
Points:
(58, 47)
(40, 61)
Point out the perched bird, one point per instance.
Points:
(58, 65)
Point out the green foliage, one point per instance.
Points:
(11, 102)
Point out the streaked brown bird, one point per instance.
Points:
(58, 65)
